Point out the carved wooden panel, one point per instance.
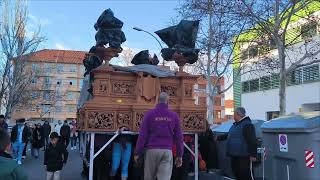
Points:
(125, 88)
(103, 87)
(170, 89)
(193, 121)
(188, 91)
(138, 120)
(101, 120)
(124, 119)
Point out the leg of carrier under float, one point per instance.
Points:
(91, 155)
(196, 161)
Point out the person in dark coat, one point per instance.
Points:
(208, 149)
(65, 133)
(241, 144)
(3, 123)
(55, 157)
(9, 170)
(46, 132)
(19, 137)
(28, 128)
(37, 140)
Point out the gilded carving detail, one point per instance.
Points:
(193, 121)
(188, 91)
(123, 88)
(124, 119)
(103, 87)
(138, 120)
(101, 120)
(170, 89)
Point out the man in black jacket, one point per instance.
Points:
(55, 157)
(46, 132)
(65, 133)
(241, 144)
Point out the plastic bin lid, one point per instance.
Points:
(300, 121)
(225, 126)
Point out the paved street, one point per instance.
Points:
(72, 171)
(36, 171)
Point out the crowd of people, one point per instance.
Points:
(156, 153)
(53, 141)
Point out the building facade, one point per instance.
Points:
(258, 92)
(201, 97)
(55, 86)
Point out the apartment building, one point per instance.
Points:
(55, 86)
(201, 97)
(258, 92)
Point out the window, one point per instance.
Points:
(253, 51)
(254, 85)
(311, 73)
(71, 109)
(73, 68)
(309, 30)
(295, 77)
(217, 101)
(47, 68)
(34, 80)
(72, 82)
(47, 80)
(265, 83)
(45, 108)
(81, 83)
(60, 68)
(46, 95)
(82, 69)
(275, 81)
(34, 95)
(59, 82)
(58, 109)
(59, 95)
(245, 87)
(218, 114)
(34, 67)
(70, 96)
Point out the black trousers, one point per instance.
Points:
(24, 153)
(65, 140)
(241, 168)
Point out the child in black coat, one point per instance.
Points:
(55, 157)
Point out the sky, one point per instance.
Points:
(68, 24)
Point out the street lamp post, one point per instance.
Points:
(139, 29)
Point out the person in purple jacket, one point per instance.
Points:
(159, 131)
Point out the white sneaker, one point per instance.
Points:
(71, 148)
(75, 148)
(23, 157)
(19, 162)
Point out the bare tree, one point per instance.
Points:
(278, 23)
(217, 41)
(14, 45)
(125, 57)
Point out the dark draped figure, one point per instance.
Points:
(180, 40)
(109, 30)
(143, 57)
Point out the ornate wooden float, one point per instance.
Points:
(121, 99)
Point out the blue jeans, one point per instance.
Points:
(17, 150)
(121, 154)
